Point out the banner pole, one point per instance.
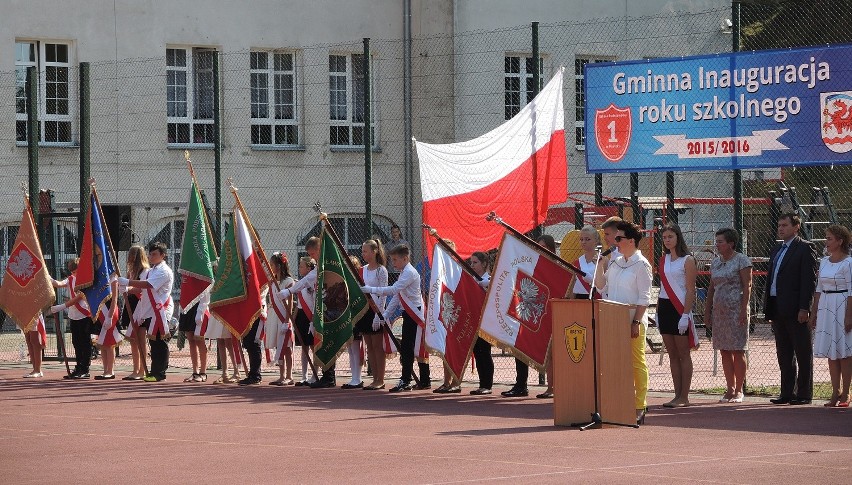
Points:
(492, 216)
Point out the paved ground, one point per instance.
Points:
(54, 431)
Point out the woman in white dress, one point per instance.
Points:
(831, 313)
(279, 321)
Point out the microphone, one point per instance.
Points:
(608, 251)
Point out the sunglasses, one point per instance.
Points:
(620, 238)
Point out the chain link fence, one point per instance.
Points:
(292, 124)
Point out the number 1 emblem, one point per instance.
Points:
(613, 127)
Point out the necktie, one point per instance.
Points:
(778, 258)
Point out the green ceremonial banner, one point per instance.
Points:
(230, 285)
(340, 302)
(197, 252)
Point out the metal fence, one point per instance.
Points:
(288, 125)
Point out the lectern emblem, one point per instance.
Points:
(575, 341)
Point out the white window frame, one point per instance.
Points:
(350, 103)
(190, 84)
(523, 75)
(271, 119)
(41, 64)
(579, 91)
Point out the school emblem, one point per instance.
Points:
(529, 301)
(23, 265)
(335, 295)
(575, 341)
(449, 309)
(613, 127)
(836, 119)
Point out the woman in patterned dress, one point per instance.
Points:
(830, 313)
(726, 310)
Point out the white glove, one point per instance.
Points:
(367, 289)
(376, 325)
(122, 289)
(57, 308)
(285, 293)
(484, 283)
(122, 281)
(387, 317)
(311, 328)
(683, 323)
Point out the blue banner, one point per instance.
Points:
(745, 110)
(104, 266)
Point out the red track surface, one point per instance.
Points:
(54, 431)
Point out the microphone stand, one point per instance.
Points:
(597, 421)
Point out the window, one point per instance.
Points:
(346, 111)
(52, 60)
(189, 95)
(274, 117)
(580, 101)
(518, 72)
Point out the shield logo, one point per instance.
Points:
(335, 295)
(575, 342)
(23, 265)
(613, 127)
(836, 120)
(529, 301)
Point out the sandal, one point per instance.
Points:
(277, 382)
(192, 378)
(287, 382)
(202, 377)
(835, 399)
(441, 389)
(843, 401)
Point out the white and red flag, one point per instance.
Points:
(453, 311)
(518, 170)
(524, 280)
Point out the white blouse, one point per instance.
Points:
(629, 281)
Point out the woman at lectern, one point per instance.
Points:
(589, 241)
(628, 281)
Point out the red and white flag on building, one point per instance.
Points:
(518, 170)
(517, 313)
(454, 309)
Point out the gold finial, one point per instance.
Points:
(186, 155)
(322, 215)
(230, 182)
(432, 230)
(92, 182)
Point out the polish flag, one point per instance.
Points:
(517, 170)
(454, 309)
(519, 317)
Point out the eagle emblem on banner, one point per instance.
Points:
(837, 120)
(449, 309)
(23, 265)
(529, 301)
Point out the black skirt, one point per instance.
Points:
(302, 327)
(364, 326)
(667, 317)
(131, 301)
(187, 320)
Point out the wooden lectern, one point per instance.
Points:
(573, 367)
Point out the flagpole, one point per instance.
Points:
(443, 243)
(103, 224)
(492, 216)
(266, 264)
(385, 325)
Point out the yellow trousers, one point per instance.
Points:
(640, 369)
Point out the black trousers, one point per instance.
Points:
(523, 374)
(794, 347)
(81, 339)
(253, 350)
(484, 363)
(406, 353)
(159, 354)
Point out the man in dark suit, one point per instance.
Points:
(789, 291)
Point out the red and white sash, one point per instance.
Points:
(303, 304)
(201, 327)
(677, 303)
(72, 282)
(421, 352)
(41, 330)
(109, 335)
(158, 323)
(585, 284)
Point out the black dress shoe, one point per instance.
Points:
(401, 387)
(545, 395)
(323, 383)
(481, 391)
(70, 376)
(82, 375)
(799, 402)
(423, 385)
(249, 381)
(780, 400)
(352, 386)
(515, 392)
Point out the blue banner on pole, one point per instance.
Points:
(745, 110)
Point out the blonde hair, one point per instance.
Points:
(308, 261)
(137, 261)
(590, 230)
